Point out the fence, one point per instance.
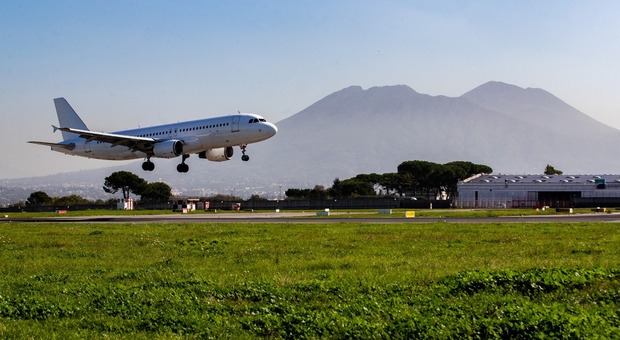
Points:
(53, 208)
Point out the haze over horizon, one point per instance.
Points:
(128, 64)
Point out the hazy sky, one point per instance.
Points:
(123, 64)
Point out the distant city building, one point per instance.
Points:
(530, 191)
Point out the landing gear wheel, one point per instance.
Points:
(183, 167)
(245, 157)
(148, 166)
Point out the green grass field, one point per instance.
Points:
(289, 280)
(367, 213)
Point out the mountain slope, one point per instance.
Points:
(535, 106)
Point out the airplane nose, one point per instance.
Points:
(272, 129)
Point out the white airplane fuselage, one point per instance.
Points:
(210, 138)
(196, 136)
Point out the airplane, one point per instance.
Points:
(211, 138)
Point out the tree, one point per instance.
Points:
(392, 182)
(418, 176)
(374, 179)
(38, 198)
(550, 170)
(70, 200)
(318, 192)
(125, 181)
(428, 177)
(352, 187)
(335, 189)
(156, 192)
(257, 197)
(460, 170)
(296, 193)
(413, 177)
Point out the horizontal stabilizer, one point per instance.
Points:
(69, 146)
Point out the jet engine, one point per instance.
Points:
(168, 149)
(217, 155)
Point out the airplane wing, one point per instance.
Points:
(134, 143)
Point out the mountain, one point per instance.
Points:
(353, 131)
(511, 129)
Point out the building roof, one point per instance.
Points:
(541, 179)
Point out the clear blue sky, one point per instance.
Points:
(122, 64)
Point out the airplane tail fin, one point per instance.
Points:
(67, 117)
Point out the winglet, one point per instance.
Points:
(55, 128)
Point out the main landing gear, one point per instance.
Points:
(245, 157)
(183, 167)
(148, 165)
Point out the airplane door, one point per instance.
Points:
(235, 123)
(87, 147)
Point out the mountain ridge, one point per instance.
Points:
(526, 104)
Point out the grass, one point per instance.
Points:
(288, 280)
(338, 213)
(455, 213)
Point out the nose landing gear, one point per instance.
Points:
(245, 157)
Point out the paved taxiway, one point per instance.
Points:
(300, 217)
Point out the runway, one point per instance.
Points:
(306, 217)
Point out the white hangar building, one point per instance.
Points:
(530, 191)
